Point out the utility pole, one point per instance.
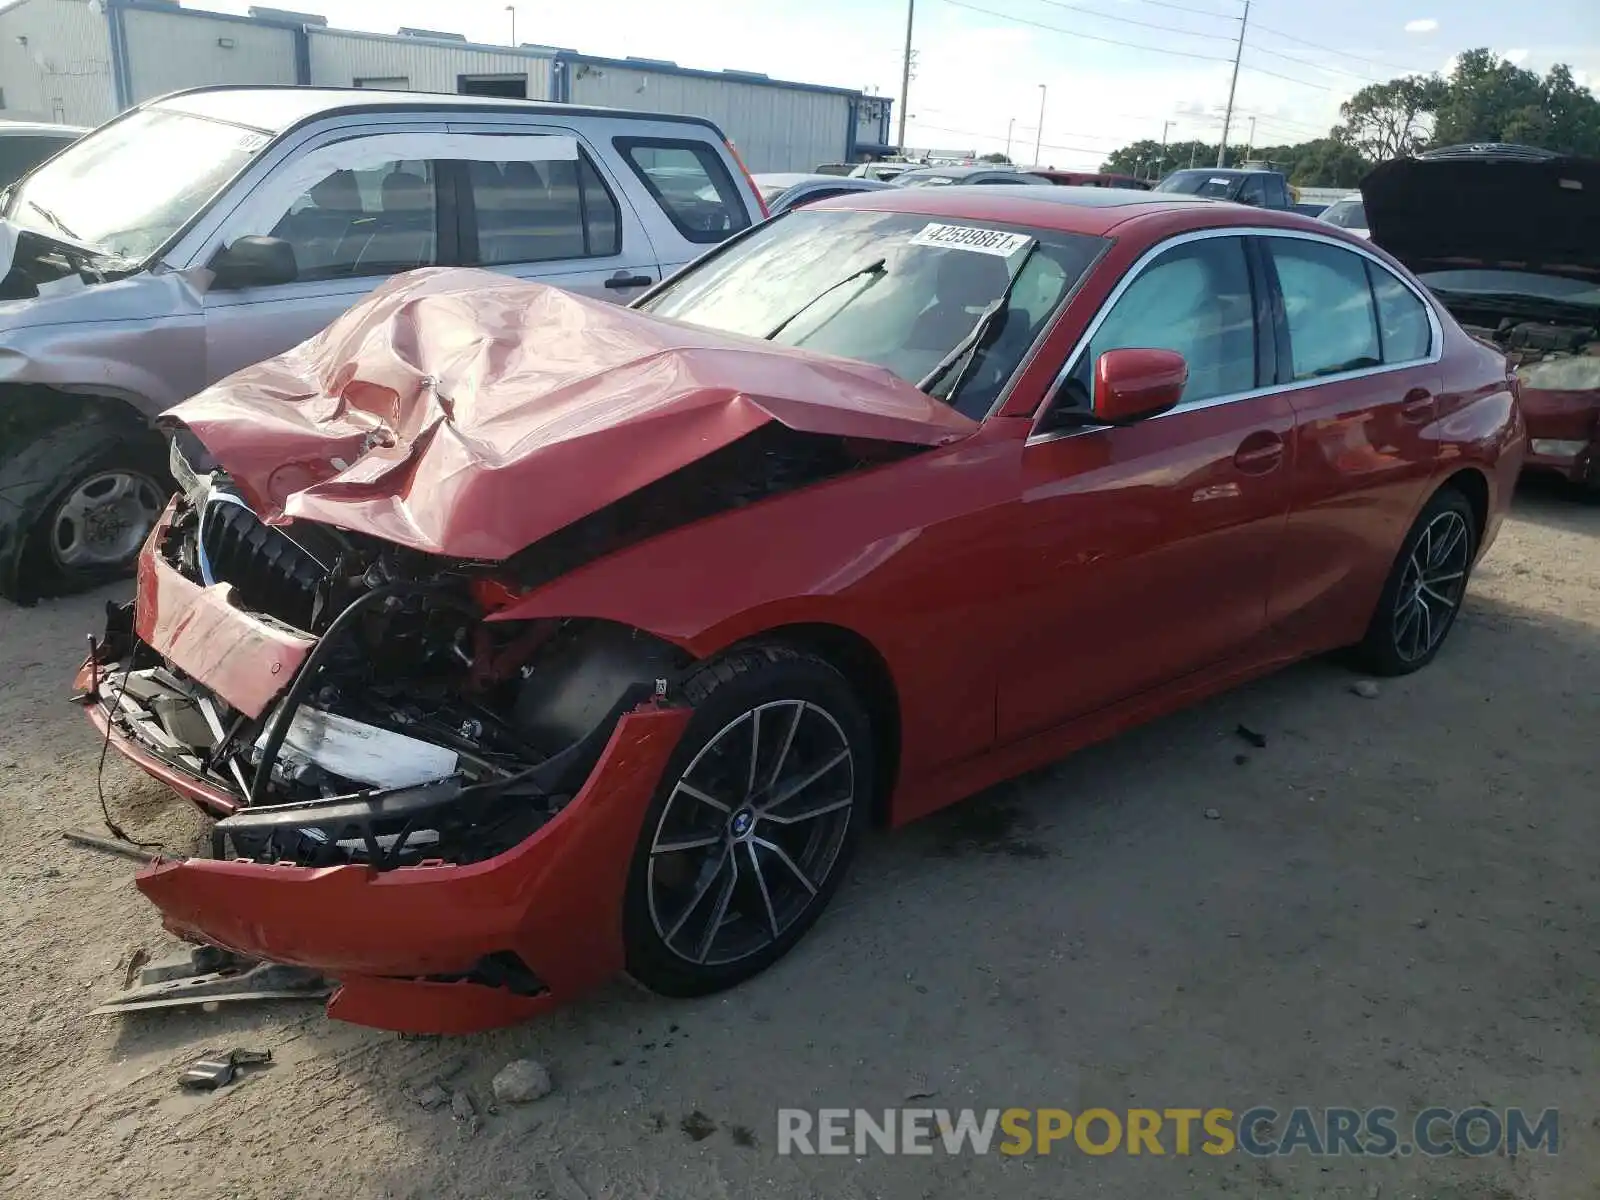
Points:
(905, 74)
(1038, 140)
(1010, 125)
(1250, 142)
(1165, 125)
(1194, 152)
(1227, 119)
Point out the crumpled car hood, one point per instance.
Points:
(464, 413)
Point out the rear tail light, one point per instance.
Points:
(748, 178)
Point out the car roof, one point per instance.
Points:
(276, 109)
(788, 179)
(956, 172)
(39, 129)
(1087, 210)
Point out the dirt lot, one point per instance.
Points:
(1399, 905)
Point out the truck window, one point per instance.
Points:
(530, 212)
(680, 175)
(375, 221)
(1254, 191)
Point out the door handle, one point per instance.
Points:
(1417, 407)
(1259, 453)
(623, 280)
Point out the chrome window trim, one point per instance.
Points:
(1081, 347)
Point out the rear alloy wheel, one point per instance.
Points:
(1425, 589)
(752, 824)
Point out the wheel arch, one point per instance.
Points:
(861, 663)
(1474, 485)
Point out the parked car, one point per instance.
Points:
(207, 230)
(1505, 237)
(1089, 179)
(26, 144)
(785, 190)
(882, 171)
(986, 173)
(1255, 187)
(1309, 209)
(1349, 213)
(585, 638)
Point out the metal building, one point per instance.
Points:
(83, 61)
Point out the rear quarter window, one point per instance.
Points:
(691, 185)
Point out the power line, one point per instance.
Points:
(989, 12)
(1290, 78)
(1199, 12)
(1375, 62)
(1316, 66)
(1220, 37)
(994, 137)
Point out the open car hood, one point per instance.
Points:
(1488, 212)
(464, 413)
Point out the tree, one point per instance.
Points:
(995, 157)
(1390, 120)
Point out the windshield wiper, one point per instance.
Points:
(968, 346)
(51, 217)
(872, 268)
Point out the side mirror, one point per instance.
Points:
(254, 262)
(1130, 385)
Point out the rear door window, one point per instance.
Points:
(690, 184)
(1328, 304)
(1253, 192)
(546, 211)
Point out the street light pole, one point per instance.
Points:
(1010, 125)
(1227, 119)
(1038, 140)
(1165, 125)
(512, 9)
(1250, 142)
(905, 73)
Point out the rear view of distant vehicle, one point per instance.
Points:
(946, 176)
(1255, 187)
(1505, 237)
(1090, 179)
(785, 190)
(1349, 213)
(25, 144)
(207, 230)
(882, 171)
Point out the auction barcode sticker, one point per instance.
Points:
(965, 237)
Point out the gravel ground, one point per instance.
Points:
(1397, 904)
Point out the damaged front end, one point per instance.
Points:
(343, 709)
(374, 717)
(1558, 366)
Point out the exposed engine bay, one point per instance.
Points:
(1549, 356)
(415, 730)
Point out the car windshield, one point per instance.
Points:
(1347, 214)
(128, 187)
(1514, 283)
(900, 290)
(1198, 183)
(915, 180)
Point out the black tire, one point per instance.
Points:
(39, 476)
(790, 686)
(1394, 642)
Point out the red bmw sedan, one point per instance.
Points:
(514, 640)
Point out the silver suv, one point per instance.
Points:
(209, 229)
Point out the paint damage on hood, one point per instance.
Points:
(464, 413)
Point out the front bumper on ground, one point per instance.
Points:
(429, 948)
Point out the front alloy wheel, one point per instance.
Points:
(753, 822)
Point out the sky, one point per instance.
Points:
(1112, 71)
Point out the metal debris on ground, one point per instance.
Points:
(136, 963)
(520, 1082)
(209, 975)
(1258, 740)
(109, 845)
(1365, 688)
(218, 1070)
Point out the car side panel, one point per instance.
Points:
(910, 556)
